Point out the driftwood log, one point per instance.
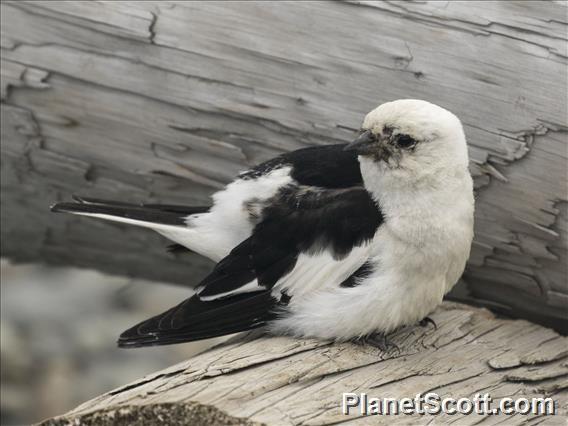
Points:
(162, 101)
(149, 101)
(284, 381)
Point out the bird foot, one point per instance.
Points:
(427, 320)
(378, 340)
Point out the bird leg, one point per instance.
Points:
(427, 320)
(378, 340)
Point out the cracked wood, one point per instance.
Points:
(284, 381)
(160, 101)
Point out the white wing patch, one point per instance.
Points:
(216, 233)
(318, 272)
(311, 273)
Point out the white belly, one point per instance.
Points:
(409, 282)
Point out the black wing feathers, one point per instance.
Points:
(297, 220)
(324, 219)
(326, 166)
(328, 209)
(195, 320)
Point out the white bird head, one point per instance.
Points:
(413, 141)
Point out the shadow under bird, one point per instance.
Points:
(337, 242)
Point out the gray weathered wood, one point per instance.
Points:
(284, 381)
(168, 101)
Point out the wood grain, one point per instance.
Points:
(284, 381)
(148, 101)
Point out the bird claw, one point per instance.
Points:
(427, 320)
(378, 340)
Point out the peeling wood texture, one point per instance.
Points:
(284, 381)
(148, 101)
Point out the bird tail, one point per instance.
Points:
(160, 217)
(195, 319)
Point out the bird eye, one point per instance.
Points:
(405, 141)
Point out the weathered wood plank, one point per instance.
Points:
(167, 101)
(283, 381)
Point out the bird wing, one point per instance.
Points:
(298, 222)
(323, 166)
(302, 230)
(326, 166)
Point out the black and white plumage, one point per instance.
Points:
(335, 242)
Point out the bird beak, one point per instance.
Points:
(362, 142)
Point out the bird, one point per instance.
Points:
(342, 242)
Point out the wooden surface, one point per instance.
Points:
(284, 381)
(148, 101)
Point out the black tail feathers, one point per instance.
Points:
(162, 214)
(195, 319)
